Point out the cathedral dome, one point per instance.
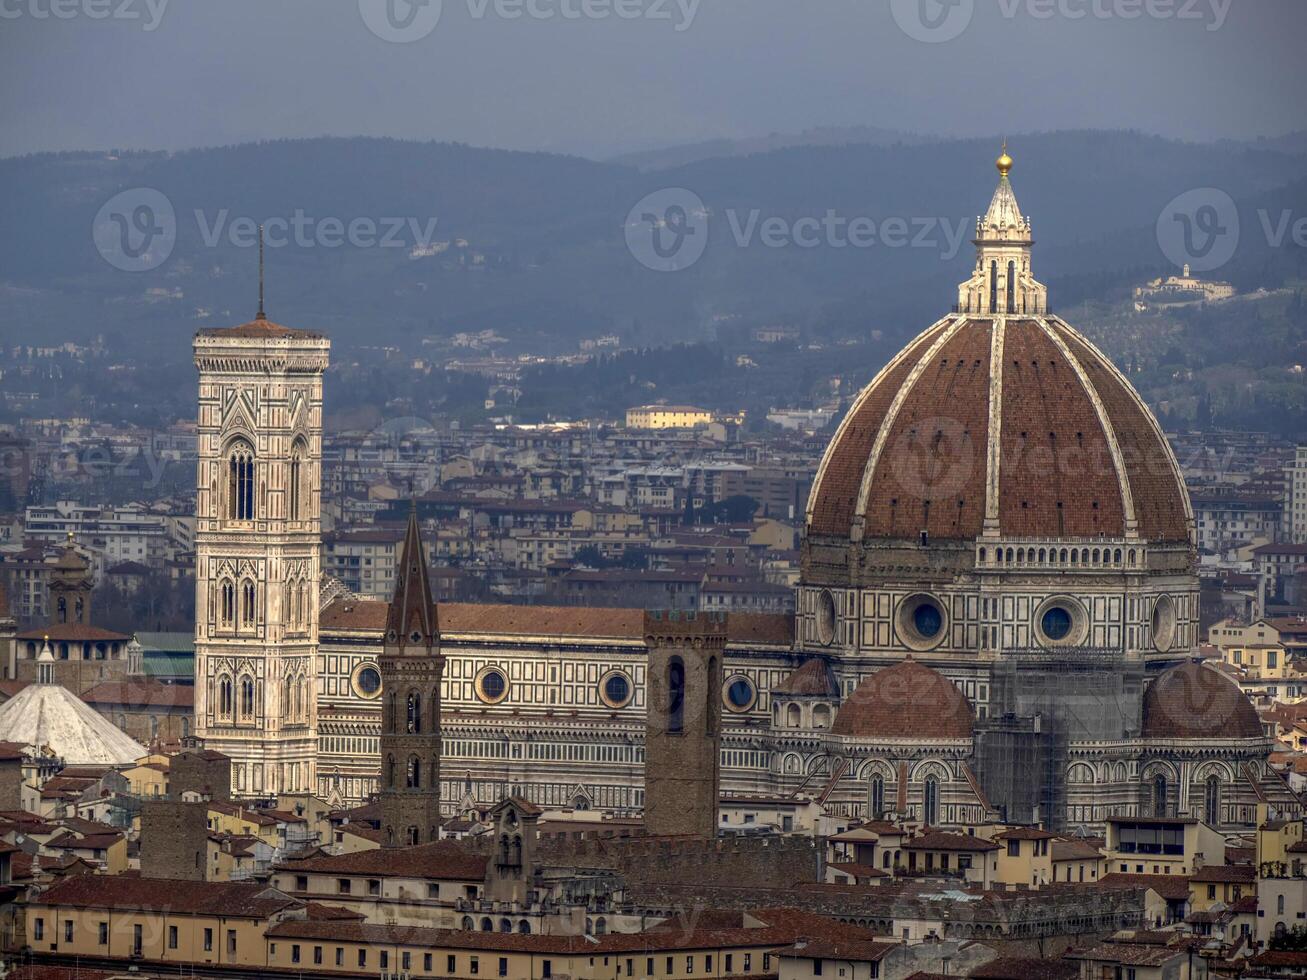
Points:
(908, 700)
(1193, 701)
(1022, 409)
(999, 418)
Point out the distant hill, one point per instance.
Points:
(545, 261)
(678, 156)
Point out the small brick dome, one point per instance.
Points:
(907, 700)
(1193, 701)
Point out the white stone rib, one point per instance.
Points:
(1148, 414)
(882, 435)
(817, 481)
(994, 429)
(1109, 431)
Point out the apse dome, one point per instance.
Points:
(1193, 701)
(906, 701)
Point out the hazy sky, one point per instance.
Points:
(603, 76)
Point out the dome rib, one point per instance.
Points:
(1104, 423)
(833, 498)
(891, 416)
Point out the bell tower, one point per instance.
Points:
(683, 722)
(411, 668)
(70, 588)
(257, 551)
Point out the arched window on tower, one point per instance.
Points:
(247, 604)
(240, 481)
(247, 698)
(63, 610)
(295, 491)
(675, 695)
(1159, 796)
(1212, 800)
(413, 775)
(224, 696)
(1011, 287)
(993, 286)
(930, 801)
(226, 603)
(414, 723)
(390, 772)
(877, 796)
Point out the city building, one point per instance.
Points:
(666, 417)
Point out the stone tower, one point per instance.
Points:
(257, 551)
(411, 667)
(683, 721)
(70, 588)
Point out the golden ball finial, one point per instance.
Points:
(1004, 162)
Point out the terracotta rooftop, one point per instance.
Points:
(142, 693)
(260, 329)
(234, 899)
(72, 633)
(369, 615)
(940, 840)
(441, 859)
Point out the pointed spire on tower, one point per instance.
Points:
(260, 315)
(412, 619)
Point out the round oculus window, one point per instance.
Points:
(366, 681)
(825, 618)
(1056, 623)
(740, 693)
(492, 685)
(1163, 623)
(1061, 622)
(922, 623)
(615, 690)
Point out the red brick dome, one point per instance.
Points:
(907, 700)
(1021, 408)
(1193, 701)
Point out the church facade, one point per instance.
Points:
(997, 616)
